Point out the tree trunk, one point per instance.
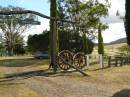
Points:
(127, 21)
(53, 35)
(100, 46)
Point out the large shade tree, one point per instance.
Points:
(2, 49)
(87, 14)
(13, 28)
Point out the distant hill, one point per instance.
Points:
(122, 40)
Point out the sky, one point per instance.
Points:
(116, 26)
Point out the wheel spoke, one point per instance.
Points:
(79, 60)
(68, 57)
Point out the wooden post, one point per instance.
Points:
(87, 60)
(54, 51)
(101, 60)
(116, 61)
(109, 61)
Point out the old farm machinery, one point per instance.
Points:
(65, 59)
(78, 60)
(68, 60)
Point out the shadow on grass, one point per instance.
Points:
(122, 93)
(10, 84)
(99, 69)
(22, 62)
(29, 74)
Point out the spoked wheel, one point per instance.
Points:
(79, 60)
(67, 56)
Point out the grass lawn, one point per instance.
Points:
(105, 81)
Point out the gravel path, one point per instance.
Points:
(70, 87)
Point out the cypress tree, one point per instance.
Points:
(127, 20)
(88, 45)
(100, 42)
(85, 44)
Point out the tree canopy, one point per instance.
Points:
(13, 28)
(40, 42)
(87, 16)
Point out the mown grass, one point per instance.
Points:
(16, 91)
(114, 75)
(21, 61)
(10, 65)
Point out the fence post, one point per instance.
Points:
(109, 61)
(87, 60)
(101, 60)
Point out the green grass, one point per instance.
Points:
(21, 62)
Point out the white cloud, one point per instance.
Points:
(21, 1)
(44, 26)
(115, 5)
(115, 31)
(116, 27)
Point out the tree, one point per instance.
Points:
(38, 42)
(53, 13)
(19, 49)
(67, 41)
(87, 15)
(13, 29)
(88, 45)
(100, 42)
(2, 46)
(127, 20)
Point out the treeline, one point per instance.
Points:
(74, 37)
(67, 41)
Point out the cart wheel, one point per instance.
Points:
(68, 58)
(79, 60)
